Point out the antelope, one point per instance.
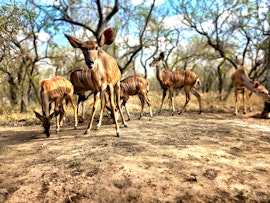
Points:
(135, 85)
(242, 84)
(82, 82)
(175, 80)
(58, 90)
(105, 73)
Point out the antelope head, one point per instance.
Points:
(46, 122)
(91, 49)
(156, 61)
(262, 91)
(261, 88)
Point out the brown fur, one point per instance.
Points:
(135, 85)
(242, 84)
(174, 80)
(57, 90)
(105, 73)
(81, 80)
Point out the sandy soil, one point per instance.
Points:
(212, 157)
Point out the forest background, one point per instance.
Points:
(208, 37)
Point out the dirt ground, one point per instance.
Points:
(212, 157)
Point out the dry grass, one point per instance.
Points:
(210, 102)
(10, 116)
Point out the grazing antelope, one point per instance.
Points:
(135, 85)
(105, 73)
(242, 84)
(237, 78)
(175, 80)
(57, 90)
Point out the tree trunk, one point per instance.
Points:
(220, 80)
(220, 85)
(266, 110)
(13, 91)
(23, 103)
(23, 107)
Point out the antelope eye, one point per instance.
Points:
(96, 47)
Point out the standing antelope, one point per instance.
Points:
(135, 85)
(105, 73)
(174, 80)
(82, 82)
(57, 90)
(242, 84)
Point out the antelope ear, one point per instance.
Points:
(38, 116)
(256, 84)
(161, 55)
(107, 37)
(76, 43)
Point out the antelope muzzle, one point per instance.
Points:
(46, 125)
(89, 59)
(90, 63)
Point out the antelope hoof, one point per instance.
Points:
(126, 126)
(128, 119)
(97, 128)
(86, 132)
(118, 134)
(75, 127)
(200, 112)
(57, 131)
